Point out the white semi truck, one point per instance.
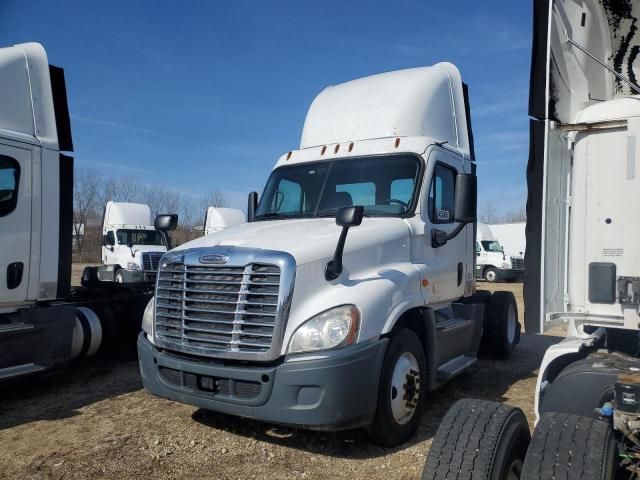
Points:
(350, 293)
(131, 246)
(583, 263)
(493, 264)
(44, 323)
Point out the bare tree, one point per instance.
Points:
(86, 194)
(214, 198)
(516, 215)
(489, 213)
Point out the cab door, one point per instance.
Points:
(445, 264)
(15, 223)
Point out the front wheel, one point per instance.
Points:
(481, 440)
(491, 275)
(402, 390)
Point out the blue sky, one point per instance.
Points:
(202, 95)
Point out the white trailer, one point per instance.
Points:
(292, 319)
(583, 262)
(44, 323)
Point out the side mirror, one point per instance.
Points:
(166, 222)
(466, 198)
(346, 217)
(252, 205)
(109, 239)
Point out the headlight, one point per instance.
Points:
(334, 328)
(133, 266)
(147, 318)
(506, 265)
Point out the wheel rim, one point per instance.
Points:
(119, 278)
(514, 471)
(491, 276)
(511, 325)
(405, 388)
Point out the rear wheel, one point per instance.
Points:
(480, 440)
(502, 329)
(402, 390)
(571, 447)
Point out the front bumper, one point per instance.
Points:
(508, 274)
(336, 392)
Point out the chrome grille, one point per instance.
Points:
(214, 310)
(150, 261)
(517, 263)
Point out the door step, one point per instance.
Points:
(452, 324)
(18, 370)
(455, 366)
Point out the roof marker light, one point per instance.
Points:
(335, 150)
(350, 146)
(289, 155)
(397, 142)
(323, 149)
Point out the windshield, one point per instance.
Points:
(384, 186)
(491, 246)
(139, 237)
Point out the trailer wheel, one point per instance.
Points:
(571, 447)
(490, 275)
(503, 329)
(401, 393)
(481, 440)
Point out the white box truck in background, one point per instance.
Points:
(493, 263)
(583, 262)
(350, 293)
(44, 323)
(131, 246)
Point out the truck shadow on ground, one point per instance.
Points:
(61, 394)
(487, 379)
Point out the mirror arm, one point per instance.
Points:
(334, 267)
(440, 237)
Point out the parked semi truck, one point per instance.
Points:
(131, 246)
(493, 264)
(44, 323)
(512, 237)
(583, 263)
(350, 293)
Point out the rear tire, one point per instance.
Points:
(502, 332)
(480, 440)
(401, 394)
(571, 447)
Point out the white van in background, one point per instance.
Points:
(131, 246)
(492, 264)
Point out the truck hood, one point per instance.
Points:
(307, 240)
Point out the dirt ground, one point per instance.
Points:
(95, 421)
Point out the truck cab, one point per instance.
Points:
(131, 247)
(350, 292)
(493, 264)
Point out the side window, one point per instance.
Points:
(9, 182)
(288, 198)
(442, 195)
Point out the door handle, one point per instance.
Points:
(460, 272)
(14, 275)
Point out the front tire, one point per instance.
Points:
(571, 447)
(402, 389)
(481, 440)
(491, 275)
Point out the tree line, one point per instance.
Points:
(92, 190)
